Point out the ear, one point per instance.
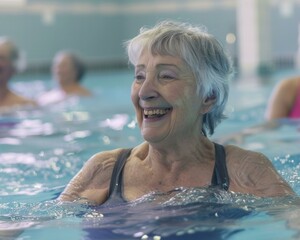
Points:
(207, 104)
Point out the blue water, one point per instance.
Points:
(42, 149)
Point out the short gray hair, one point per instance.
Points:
(203, 54)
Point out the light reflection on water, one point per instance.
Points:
(182, 214)
(44, 148)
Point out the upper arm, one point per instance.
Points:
(92, 182)
(256, 175)
(281, 100)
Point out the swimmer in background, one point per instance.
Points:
(8, 57)
(284, 103)
(68, 70)
(285, 100)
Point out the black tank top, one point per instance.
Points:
(220, 175)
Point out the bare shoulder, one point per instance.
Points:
(252, 172)
(282, 98)
(238, 154)
(288, 84)
(92, 181)
(15, 100)
(85, 92)
(287, 89)
(102, 160)
(242, 163)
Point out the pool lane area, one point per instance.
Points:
(41, 149)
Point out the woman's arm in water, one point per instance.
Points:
(91, 184)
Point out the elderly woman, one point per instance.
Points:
(68, 70)
(179, 94)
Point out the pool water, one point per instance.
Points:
(42, 149)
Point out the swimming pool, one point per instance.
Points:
(42, 149)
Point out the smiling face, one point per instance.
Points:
(164, 94)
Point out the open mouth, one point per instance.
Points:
(156, 113)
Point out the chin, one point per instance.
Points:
(151, 138)
(154, 138)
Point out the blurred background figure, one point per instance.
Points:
(285, 100)
(8, 58)
(68, 71)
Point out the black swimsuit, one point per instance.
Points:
(220, 175)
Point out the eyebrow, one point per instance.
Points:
(160, 65)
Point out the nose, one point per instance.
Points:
(149, 88)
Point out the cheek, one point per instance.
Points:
(134, 96)
(180, 96)
(189, 102)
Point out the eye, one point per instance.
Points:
(139, 77)
(167, 75)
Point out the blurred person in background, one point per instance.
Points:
(8, 60)
(68, 71)
(285, 100)
(284, 103)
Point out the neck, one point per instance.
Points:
(183, 155)
(183, 166)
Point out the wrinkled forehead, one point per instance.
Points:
(147, 53)
(149, 58)
(156, 48)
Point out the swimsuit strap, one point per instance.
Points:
(115, 186)
(220, 176)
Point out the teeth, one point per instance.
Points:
(156, 111)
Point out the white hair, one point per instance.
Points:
(204, 55)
